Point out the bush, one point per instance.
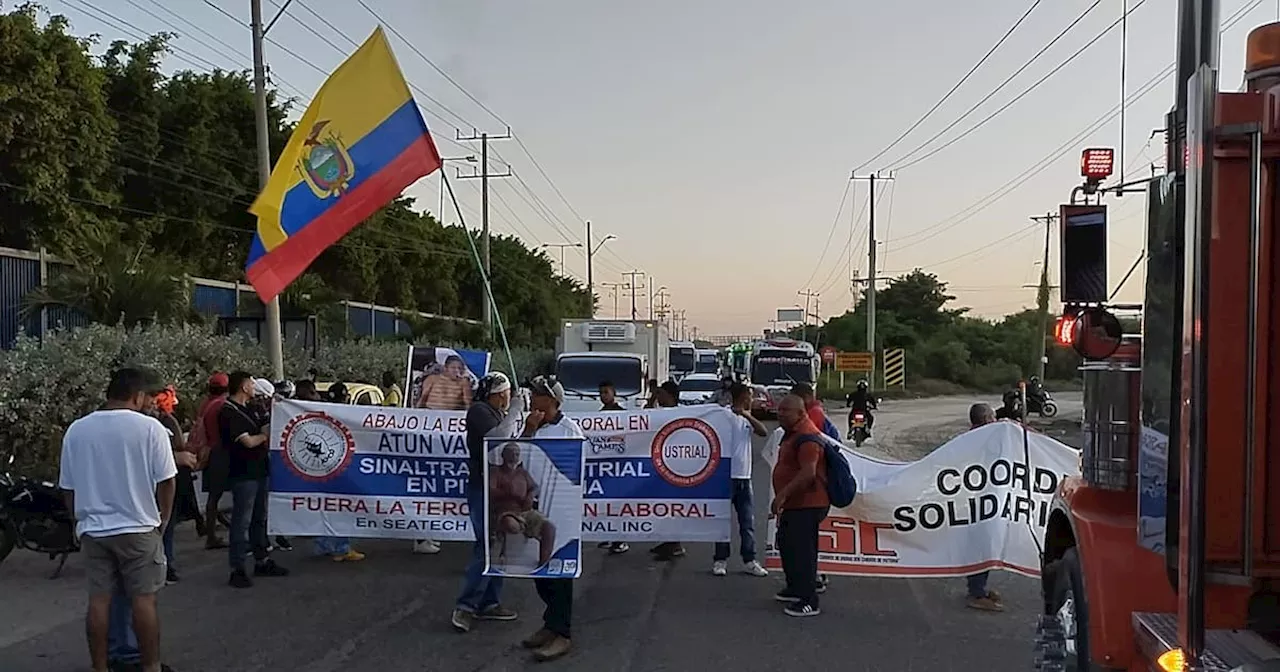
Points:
(45, 386)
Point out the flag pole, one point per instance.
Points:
(275, 349)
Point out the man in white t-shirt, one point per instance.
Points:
(118, 472)
(740, 457)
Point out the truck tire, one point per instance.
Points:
(1070, 609)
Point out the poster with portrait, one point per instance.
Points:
(533, 504)
(442, 379)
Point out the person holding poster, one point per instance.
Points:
(546, 421)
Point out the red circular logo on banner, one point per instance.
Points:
(686, 452)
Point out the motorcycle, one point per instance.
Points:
(1042, 404)
(858, 428)
(33, 516)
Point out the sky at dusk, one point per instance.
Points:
(715, 138)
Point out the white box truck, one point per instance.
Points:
(627, 353)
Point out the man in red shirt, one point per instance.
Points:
(212, 456)
(800, 502)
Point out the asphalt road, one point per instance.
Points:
(390, 612)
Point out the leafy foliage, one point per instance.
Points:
(109, 148)
(944, 343)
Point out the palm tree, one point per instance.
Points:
(113, 283)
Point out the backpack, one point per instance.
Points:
(841, 486)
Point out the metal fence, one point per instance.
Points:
(22, 271)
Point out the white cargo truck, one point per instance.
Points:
(627, 353)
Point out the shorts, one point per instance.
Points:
(531, 522)
(135, 561)
(214, 478)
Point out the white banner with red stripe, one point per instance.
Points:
(978, 502)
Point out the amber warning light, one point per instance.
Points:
(1096, 164)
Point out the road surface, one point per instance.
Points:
(390, 612)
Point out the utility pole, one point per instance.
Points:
(615, 288)
(591, 253)
(484, 177)
(654, 293)
(804, 323)
(663, 305)
(561, 247)
(275, 346)
(871, 258)
(1042, 296)
(632, 288)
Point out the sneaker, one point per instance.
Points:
(462, 620)
(801, 609)
(426, 547)
(719, 568)
(604, 544)
(240, 580)
(170, 577)
(820, 588)
(497, 612)
(349, 556)
(984, 604)
(618, 548)
(784, 596)
(538, 639)
(214, 543)
(754, 568)
(124, 666)
(678, 551)
(269, 567)
(284, 544)
(556, 648)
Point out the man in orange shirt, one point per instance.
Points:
(800, 502)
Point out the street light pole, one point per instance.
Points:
(469, 159)
(562, 247)
(591, 253)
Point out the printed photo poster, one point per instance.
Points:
(533, 505)
(442, 379)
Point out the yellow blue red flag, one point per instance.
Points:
(361, 142)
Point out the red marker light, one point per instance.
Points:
(1064, 330)
(1097, 163)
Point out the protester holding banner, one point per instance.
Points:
(481, 595)
(979, 597)
(800, 502)
(546, 421)
(609, 402)
(667, 396)
(246, 439)
(740, 458)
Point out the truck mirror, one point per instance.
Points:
(1097, 334)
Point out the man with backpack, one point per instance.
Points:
(800, 502)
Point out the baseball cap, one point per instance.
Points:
(547, 387)
(495, 382)
(263, 387)
(219, 379)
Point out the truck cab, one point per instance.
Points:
(708, 361)
(775, 366)
(580, 373)
(683, 360)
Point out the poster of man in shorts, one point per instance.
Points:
(533, 503)
(442, 379)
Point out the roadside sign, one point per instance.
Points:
(855, 362)
(828, 354)
(895, 367)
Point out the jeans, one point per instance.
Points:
(741, 498)
(479, 592)
(557, 594)
(248, 521)
(122, 643)
(332, 545)
(798, 546)
(978, 584)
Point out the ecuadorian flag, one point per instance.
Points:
(361, 142)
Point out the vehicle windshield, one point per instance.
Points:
(682, 359)
(707, 364)
(583, 375)
(699, 385)
(781, 367)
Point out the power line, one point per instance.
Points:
(1017, 98)
(895, 165)
(844, 197)
(958, 84)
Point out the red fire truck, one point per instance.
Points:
(1164, 554)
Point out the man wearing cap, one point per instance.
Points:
(481, 595)
(546, 421)
(246, 441)
(117, 471)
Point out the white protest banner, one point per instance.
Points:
(534, 498)
(368, 471)
(978, 502)
(361, 471)
(658, 475)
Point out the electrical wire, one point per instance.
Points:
(835, 223)
(1008, 33)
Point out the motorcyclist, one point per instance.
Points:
(860, 400)
(1010, 410)
(1034, 389)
